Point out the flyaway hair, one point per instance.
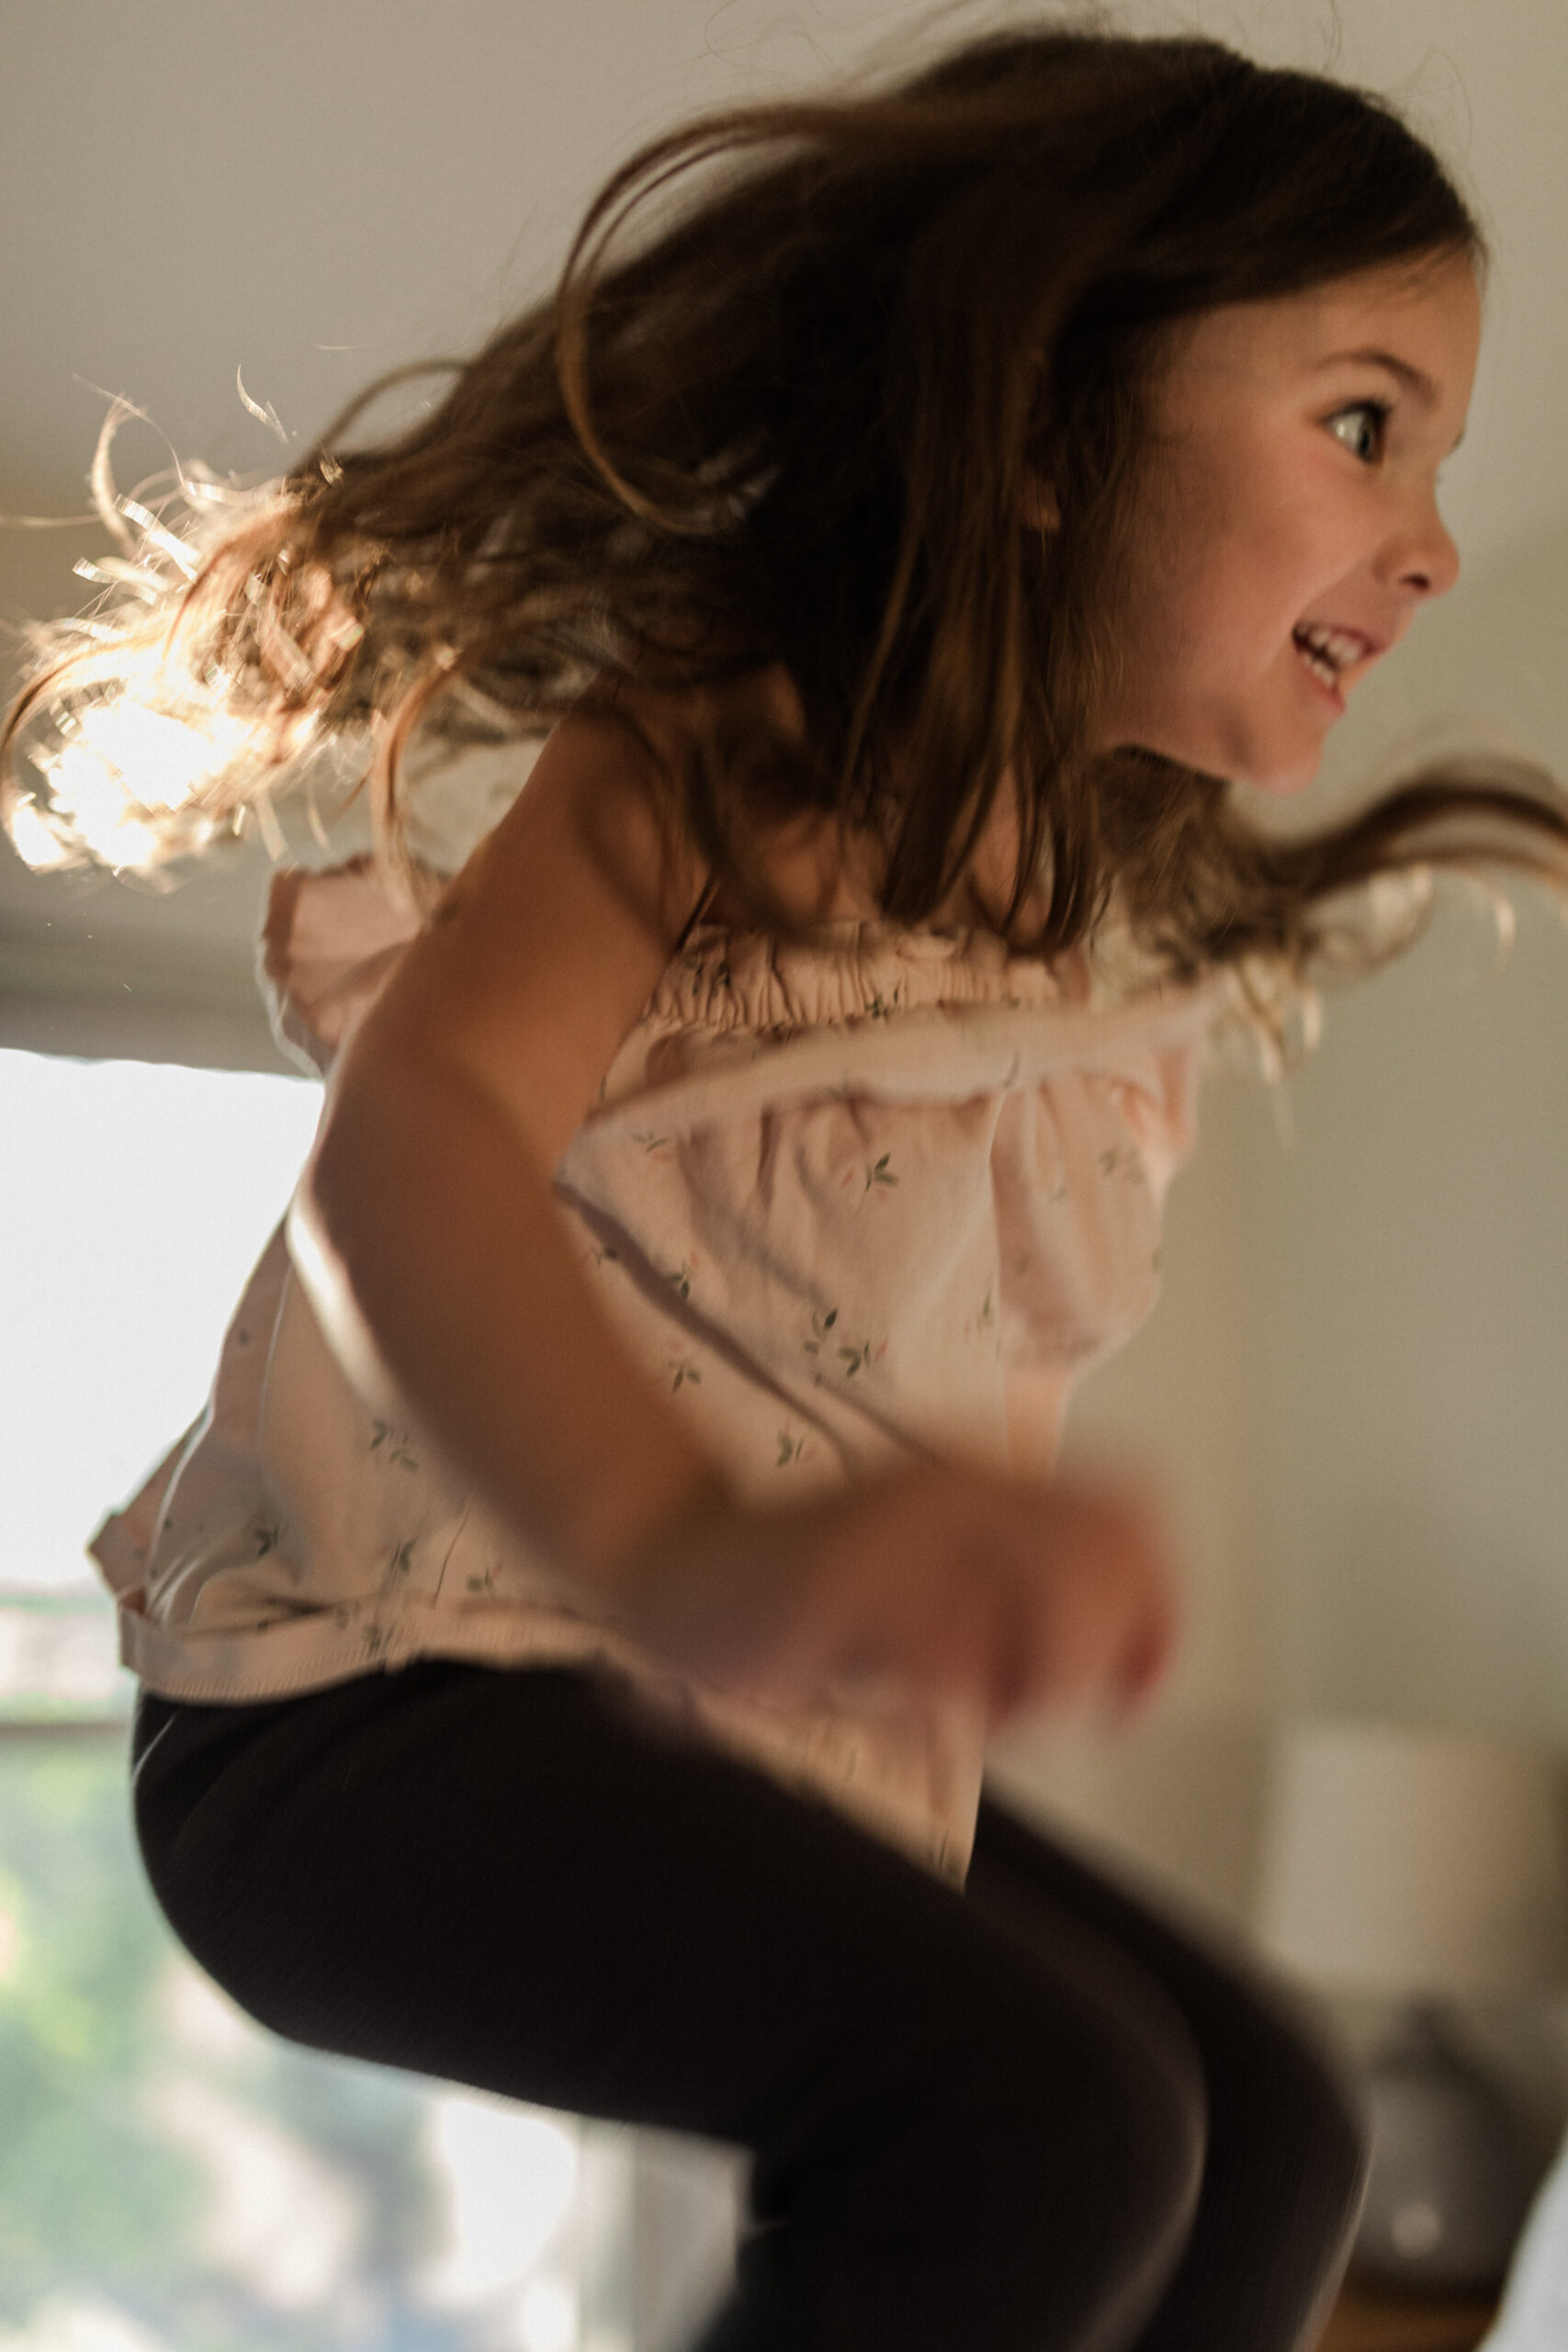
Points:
(806, 366)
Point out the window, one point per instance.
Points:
(175, 2179)
(135, 1197)
(171, 2178)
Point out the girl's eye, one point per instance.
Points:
(1361, 428)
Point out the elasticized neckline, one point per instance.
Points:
(748, 980)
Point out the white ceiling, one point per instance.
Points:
(316, 190)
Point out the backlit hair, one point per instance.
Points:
(785, 405)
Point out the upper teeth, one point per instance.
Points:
(1334, 648)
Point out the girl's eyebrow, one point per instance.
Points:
(1414, 379)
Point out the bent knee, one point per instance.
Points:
(1156, 2128)
(1115, 2188)
(1316, 2117)
(1117, 2142)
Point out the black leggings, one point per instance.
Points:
(1030, 2115)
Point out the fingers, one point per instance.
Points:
(966, 1584)
(1013, 1596)
(1110, 1617)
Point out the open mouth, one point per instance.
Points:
(1328, 653)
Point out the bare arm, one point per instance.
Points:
(426, 1230)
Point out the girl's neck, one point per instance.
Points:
(816, 871)
(819, 878)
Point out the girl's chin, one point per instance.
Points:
(1277, 774)
(1277, 762)
(1282, 784)
(1277, 749)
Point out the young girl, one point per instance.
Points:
(570, 1638)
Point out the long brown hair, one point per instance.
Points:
(784, 407)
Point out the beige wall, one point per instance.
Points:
(1407, 1289)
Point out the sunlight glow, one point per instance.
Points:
(35, 841)
(95, 806)
(511, 2177)
(279, 2218)
(80, 2326)
(548, 2317)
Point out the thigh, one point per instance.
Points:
(475, 1870)
(1031, 1881)
(517, 1881)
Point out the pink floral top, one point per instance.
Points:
(847, 1204)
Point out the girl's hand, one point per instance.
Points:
(967, 1585)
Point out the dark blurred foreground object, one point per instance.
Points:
(1426, 1869)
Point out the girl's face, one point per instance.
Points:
(1288, 528)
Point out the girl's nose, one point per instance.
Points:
(1424, 560)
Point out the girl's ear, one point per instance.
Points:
(1041, 511)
